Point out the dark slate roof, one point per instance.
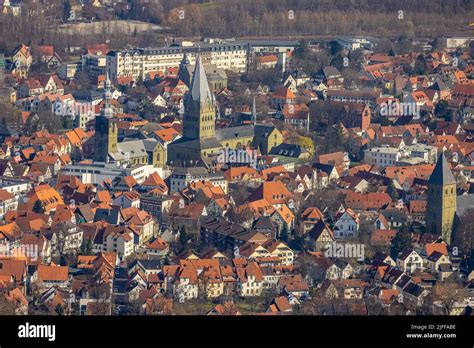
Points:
(403, 120)
(197, 144)
(394, 215)
(222, 226)
(442, 174)
(327, 168)
(244, 235)
(262, 130)
(99, 236)
(392, 275)
(435, 256)
(413, 289)
(120, 286)
(403, 281)
(150, 144)
(264, 224)
(379, 256)
(405, 253)
(439, 85)
(82, 198)
(88, 95)
(150, 264)
(234, 132)
(121, 273)
(286, 150)
(189, 170)
(318, 229)
(296, 73)
(341, 263)
(130, 134)
(111, 216)
(370, 177)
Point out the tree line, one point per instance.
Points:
(320, 17)
(237, 18)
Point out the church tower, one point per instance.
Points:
(441, 206)
(199, 114)
(106, 130)
(184, 72)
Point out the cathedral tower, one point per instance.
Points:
(106, 130)
(199, 114)
(441, 206)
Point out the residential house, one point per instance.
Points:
(280, 305)
(52, 275)
(319, 236)
(382, 237)
(346, 225)
(157, 248)
(349, 289)
(439, 264)
(294, 286)
(127, 199)
(249, 279)
(309, 218)
(8, 202)
(284, 218)
(120, 240)
(409, 260)
(282, 96)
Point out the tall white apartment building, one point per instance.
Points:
(139, 62)
(231, 55)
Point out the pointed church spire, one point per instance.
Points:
(107, 109)
(184, 72)
(199, 86)
(107, 78)
(442, 174)
(107, 87)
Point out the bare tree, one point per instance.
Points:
(446, 295)
(6, 307)
(463, 235)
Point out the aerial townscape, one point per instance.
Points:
(236, 158)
